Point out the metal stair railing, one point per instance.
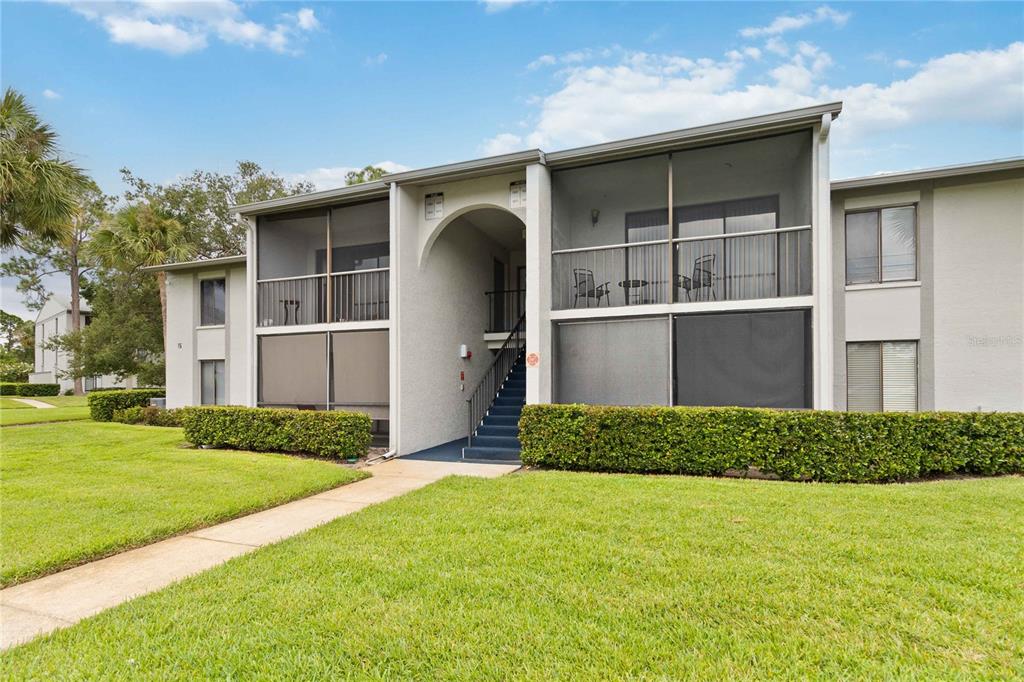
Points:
(481, 397)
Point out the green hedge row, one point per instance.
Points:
(150, 416)
(103, 404)
(793, 445)
(25, 389)
(334, 433)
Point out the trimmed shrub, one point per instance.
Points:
(127, 415)
(334, 433)
(150, 416)
(793, 445)
(102, 404)
(25, 389)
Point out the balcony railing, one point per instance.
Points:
(504, 308)
(355, 296)
(360, 295)
(291, 300)
(724, 267)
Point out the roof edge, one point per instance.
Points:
(194, 264)
(972, 168)
(658, 142)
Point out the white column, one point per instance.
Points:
(394, 329)
(821, 232)
(251, 367)
(538, 284)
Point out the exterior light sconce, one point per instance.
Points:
(595, 215)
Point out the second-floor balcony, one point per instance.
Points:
(356, 296)
(296, 251)
(723, 223)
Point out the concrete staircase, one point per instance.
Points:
(497, 437)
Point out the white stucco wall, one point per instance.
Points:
(979, 296)
(187, 343)
(884, 313)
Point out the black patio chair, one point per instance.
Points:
(584, 287)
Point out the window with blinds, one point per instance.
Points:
(881, 376)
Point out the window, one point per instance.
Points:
(212, 377)
(211, 305)
(517, 194)
(433, 205)
(881, 376)
(881, 245)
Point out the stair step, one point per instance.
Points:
(507, 410)
(491, 454)
(497, 442)
(498, 430)
(501, 420)
(513, 382)
(509, 400)
(517, 393)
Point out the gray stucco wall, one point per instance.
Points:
(971, 272)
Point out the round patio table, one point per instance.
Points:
(633, 290)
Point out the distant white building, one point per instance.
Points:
(53, 320)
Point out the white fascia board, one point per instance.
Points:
(691, 137)
(962, 169)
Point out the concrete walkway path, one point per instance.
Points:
(62, 599)
(35, 403)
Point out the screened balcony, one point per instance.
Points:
(295, 253)
(730, 222)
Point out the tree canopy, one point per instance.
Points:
(38, 189)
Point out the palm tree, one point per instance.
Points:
(38, 190)
(139, 236)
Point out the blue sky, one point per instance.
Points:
(313, 89)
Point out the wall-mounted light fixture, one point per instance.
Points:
(595, 215)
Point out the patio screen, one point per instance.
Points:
(751, 359)
(293, 370)
(620, 362)
(360, 372)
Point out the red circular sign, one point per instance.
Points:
(532, 359)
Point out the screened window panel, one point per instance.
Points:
(293, 370)
(861, 248)
(360, 362)
(899, 381)
(287, 245)
(211, 307)
(212, 382)
(621, 362)
(760, 359)
(748, 215)
(359, 237)
(863, 377)
(899, 243)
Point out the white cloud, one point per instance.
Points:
(334, 176)
(51, 94)
(494, 6)
(178, 28)
(777, 45)
(543, 60)
(903, 64)
(640, 93)
(502, 143)
(375, 59)
(784, 23)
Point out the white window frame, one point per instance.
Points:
(881, 370)
(879, 277)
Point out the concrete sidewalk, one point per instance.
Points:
(35, 403)
(62, 599)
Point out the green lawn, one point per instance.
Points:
(582, 576)
(39, 415)
(10, 403)
(77, 491)
(65, 400)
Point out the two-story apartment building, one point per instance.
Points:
(709, 266)
(51, 364)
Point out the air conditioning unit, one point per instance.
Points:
(158, 402)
